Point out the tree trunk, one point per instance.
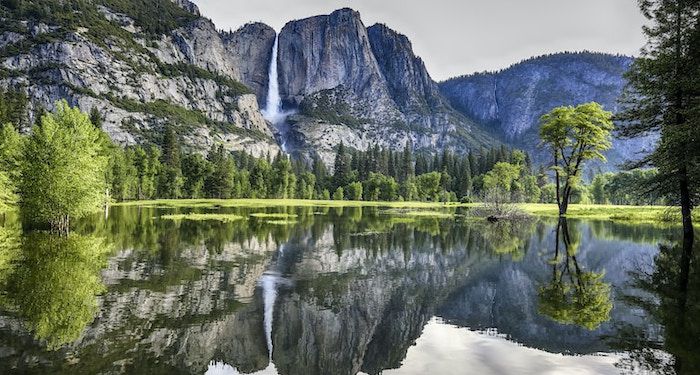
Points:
(564, 203)
(688, 231)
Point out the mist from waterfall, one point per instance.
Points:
(273, 111)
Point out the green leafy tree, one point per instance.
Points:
(13, 107)
(338, 195)
(63, 170)
(284, 180)
(574, 135)
(148, 167)
(124, 181)
(354, 191)
(11, 150)
(429, 186)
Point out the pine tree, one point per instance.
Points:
(407, 167)
(664, 94)
(170, 184)
(342, 171)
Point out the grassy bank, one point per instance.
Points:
(642, 214)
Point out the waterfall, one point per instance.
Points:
(273, 107)
(273, 111)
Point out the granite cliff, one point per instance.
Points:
(510, 102)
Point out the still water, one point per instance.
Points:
(325, 290)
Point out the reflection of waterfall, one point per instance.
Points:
(269, 287)
(269, 283)
(273, 111)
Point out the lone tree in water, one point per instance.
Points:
(63, 173)
(574, 135)
(663, 96)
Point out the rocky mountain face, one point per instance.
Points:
(364, 86)
(340, 80)
(142, 78)
(510, 102)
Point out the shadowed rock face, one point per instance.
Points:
(364, 86)
(511, 102)
(328, 52)
(250, 49)
(409, 83)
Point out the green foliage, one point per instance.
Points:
(13, 106)
(574, 296)
(154, 17)
(662, 98)
(63, 169)
(354, 191)
(574, 135)
(338, 194)
(8, 197)
(11, 149)
(329, 108)
(380, 187)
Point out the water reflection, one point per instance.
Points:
(334, 290)
(574, 296)
(669, 294)
(53, 287)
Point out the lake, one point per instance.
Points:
(344, 290)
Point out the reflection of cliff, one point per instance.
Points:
(360, 311)
(356, 290)
(176, 308)
(504, 294)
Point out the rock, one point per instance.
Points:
(250, 49)
(185, 78)
(510, 102)
(188, 6)
(367, 82)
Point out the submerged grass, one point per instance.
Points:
(210, 203)
(422, 214)
(661, 215)
(224, 218)
(263, 215)
(281, 222)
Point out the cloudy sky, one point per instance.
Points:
(457, 37)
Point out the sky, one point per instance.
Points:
(456, 37)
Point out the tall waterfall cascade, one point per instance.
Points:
(273, 111)
(273, 107)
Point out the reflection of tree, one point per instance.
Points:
(669, 294)
(574, 296)
(508, 237)
(10, 253)
(53, 288)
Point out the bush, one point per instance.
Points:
(338, 194)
